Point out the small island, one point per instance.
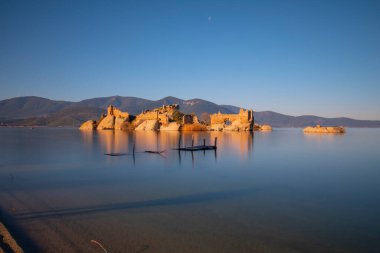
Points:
(324, 130)
(170, 118)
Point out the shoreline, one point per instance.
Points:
(7, 242)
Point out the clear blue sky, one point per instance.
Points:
(294, 57)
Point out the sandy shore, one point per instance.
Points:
(7, 243)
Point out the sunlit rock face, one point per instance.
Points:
(107, 123)
(148, 125)
(119, 123)
(217, 127)
(321, 129)
(88, 125)
(173, 126)
(265, 128)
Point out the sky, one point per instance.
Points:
(297, 57)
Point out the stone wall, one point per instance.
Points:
(163, 114)
(190, 119)
(114, 111)
(244, 116)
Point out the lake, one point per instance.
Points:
(281, 191)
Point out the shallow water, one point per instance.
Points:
(282, 191)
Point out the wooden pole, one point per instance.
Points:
(192, 142)
(179, 141)
(134, 147)
(204, 142)
(215, 141)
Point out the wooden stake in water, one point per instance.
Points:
(192, 142)
(179, 142)
(204, 142)
(216, 140)
(134, 147)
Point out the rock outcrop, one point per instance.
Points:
(172, 126)
(168, 118)
(148, 125)
(119, 123)
(216, 127)
(107, 123)
(236, 125)
(264, 128)
(88, 125)
(324, 130)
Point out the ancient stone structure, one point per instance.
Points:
(111, 110)
(165, 117)
(114, 119)
(190, 119)
(243, 121)
(162, 114)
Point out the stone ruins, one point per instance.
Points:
(166, 118)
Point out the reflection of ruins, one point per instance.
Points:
(114, 141)
(229, 144)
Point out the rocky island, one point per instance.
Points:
(324, 130)
(170, 118)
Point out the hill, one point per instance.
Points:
(45, 112)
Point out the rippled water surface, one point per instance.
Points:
(282, 191)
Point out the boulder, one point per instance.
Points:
(235, 126)
(88, 125)
(148, 125)
(119, 123)
(231, 128)
(217, 127)
(265, 128)
(172, 126)
(107, 123)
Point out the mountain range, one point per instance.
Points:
(37, 111)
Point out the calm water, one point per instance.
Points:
(282, 191)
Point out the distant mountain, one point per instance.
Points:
(69, 116)
(24, 107)
(136, 105)
(281, 120)
(31, 111)
(231, 108)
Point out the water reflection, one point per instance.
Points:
(298, 193)
(322, 137)
(105, 141)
